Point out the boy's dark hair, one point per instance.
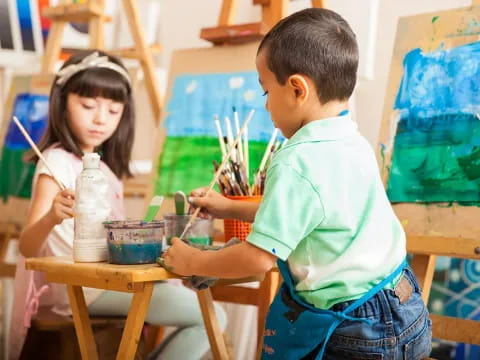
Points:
(93, 82)
(317, 43)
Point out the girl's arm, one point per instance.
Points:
(232, 262)
(49, 207)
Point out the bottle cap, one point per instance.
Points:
(91, 161)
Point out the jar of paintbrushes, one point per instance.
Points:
(233, 180)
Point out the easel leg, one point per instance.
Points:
(424, 266)
(95, 29)
(215, 336)
(145, 57)
(81, 320)
(227, 14)
(133, 326)
(275, 12)
(54, 43)
(319, 3)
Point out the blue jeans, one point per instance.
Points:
(397, 332)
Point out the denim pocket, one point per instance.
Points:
(335, 353)
(420, 345)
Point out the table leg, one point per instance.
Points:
(133, 326)
(215, 336)
(83, 328)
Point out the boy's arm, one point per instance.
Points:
(243, 210)
(221, 207)
(233, 262)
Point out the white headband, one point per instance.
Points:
(91, 61)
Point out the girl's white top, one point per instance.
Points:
(67, 167)
(31, 288)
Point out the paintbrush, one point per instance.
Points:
(237, 171)
(228, 125)
(224, 178)
(274, 150)
(220, 182)
(37, 151)
(268, 150)
(231, 149)
(237, 128)
(245, 153)
(220, 135)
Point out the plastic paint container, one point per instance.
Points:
(201, 232)
(134, 242)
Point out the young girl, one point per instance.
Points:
(91, 109)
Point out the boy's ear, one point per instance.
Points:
(299, 85)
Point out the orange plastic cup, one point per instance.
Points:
(237, 228)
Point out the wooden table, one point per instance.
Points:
(136, 279)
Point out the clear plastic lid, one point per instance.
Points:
(91, 161)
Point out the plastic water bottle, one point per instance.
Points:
(92, 208)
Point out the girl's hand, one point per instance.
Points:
(62, 206)
(214, 204)
(180, 257)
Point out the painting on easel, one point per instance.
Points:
(32, 111)
(197, 92)
(28, 100)
(436, 156)
(20, 32)
(429, 150)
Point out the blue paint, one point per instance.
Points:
(436, 155)
(441, 82)
(32, 112)
(274, 251)
(197, 97)
(26, 27)
(17, 175)
(130, 254)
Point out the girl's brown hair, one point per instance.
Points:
(93, 82)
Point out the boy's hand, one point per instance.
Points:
(213, 204)
(62, 206)
(179, 257)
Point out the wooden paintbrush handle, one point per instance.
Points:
(230, 151)
(37, 151)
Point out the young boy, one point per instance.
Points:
(324, 216)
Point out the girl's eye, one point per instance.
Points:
(265, 93)
(116, 109)
(88, 106)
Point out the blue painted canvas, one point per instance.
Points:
(436, 156)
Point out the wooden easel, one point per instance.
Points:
(425, 250)
(228, 33)
(432, 231)
(92, 12)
